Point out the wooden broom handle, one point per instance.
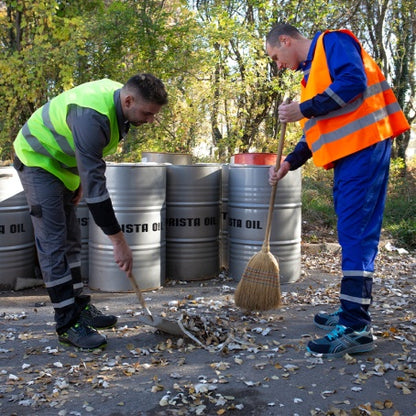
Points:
(137, 289)
(266, 243)
(138, 293)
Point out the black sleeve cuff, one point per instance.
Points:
(104, 217)
(300, 155)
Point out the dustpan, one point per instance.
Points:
(164, 325)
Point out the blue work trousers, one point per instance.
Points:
(360, 186)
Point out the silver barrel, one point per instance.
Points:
(248, 205)
(17, 243)
(138, 193)
(192, 221)
(82, 214)
(173, 158)
(224, 217)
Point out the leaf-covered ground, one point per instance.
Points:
(231, 363)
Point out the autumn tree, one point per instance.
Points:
(41, 51)
(388, 28)
(223, 89)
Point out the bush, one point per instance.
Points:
(400, 212)
(399, 224)
(318, 215)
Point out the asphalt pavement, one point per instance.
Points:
(237, 363)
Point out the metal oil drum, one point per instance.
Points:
(82, 213)
(248, 205)
(254, 158)
(138, 194)
(162, 157)
(192, 221)
(17, 243)
(223, 237)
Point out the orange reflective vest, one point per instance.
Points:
(372, 117)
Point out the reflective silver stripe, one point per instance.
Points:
(34, 143)
(357, 273)
(336, 97)
(376, 88)
(361, 301)
(97, 199)
(352, 106)
(59, 281)
(38, 147)
(74, 264)
(64, 303)
(61, 140)
(356, 125)
(78, 285)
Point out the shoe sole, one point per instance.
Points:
(70, 344)
(356, 349)
(105, 327)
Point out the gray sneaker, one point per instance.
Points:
(83, 336)
(93, 317)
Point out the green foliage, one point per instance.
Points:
(400, 212)
(223, 89)
(399, 222)
(42, 58)
(161, 39)
(397, 167)
(317, 202)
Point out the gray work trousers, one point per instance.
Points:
(58, 241)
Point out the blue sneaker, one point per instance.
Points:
(327, 321)
(341, 341)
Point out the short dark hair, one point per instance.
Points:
(272, 37)
(148, 87)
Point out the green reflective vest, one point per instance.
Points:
(46, 141)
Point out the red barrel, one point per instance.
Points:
(255, 158)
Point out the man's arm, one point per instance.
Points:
(91, 132)
(347, 72)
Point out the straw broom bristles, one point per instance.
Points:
(259, 287)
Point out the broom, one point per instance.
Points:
(259, 287)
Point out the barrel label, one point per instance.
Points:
(12, 228)
(83, 221)
(191, 222)
(249, 224)
(141, 228)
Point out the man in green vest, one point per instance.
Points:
(59, 158)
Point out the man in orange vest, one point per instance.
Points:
(349, 115)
